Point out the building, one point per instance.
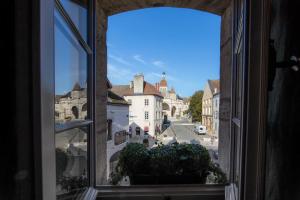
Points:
(216, 107)
(72, 105)
(212, 87)
(117, 128)
(268, 121)
(145, 110)
(174, 106)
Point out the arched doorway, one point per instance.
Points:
(165, 107)
(75, 112)
(173, 111)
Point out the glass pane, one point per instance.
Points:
(70, 75)
(77, 10)
(71, 163)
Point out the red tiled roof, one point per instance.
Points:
(125, 90)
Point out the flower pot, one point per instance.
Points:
(169, 179)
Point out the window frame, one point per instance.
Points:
(45, 101)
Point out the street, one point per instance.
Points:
(183, 132)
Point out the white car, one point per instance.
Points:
(200, 129)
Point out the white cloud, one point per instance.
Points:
(119, 73)
(159, 63)
(119, 59)
(139, 59)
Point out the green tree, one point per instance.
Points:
(195, 108)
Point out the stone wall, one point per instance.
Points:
(213, 6)
(101, 95)
(225, 89)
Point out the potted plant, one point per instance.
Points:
(133, 159)
(166, 164)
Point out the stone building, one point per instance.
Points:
(117, 128)
(216, 108)
(212, 87)
(72, 105)
(145, 110)
(174, 106)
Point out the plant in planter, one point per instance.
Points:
(216, 175)
(194, 161)
(133, 160)
(165, 164)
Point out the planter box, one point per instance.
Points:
(157, 180)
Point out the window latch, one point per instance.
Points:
(293, 64)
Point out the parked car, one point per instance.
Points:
(200, 129)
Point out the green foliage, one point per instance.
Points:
(217, 175)
(193, 159)
(133, 159)
(166, 160)
(195, 108)
(61, 162)
(163, 160)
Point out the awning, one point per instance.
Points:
(146, 128)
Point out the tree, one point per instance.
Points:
(195, 107)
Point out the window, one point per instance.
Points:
(146, 102)
(137, 130)
(146, 115)
(120, 137)
(73, 120)
(109, 129)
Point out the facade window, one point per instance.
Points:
(146, 102)
(146, 115)
(137, 130)
(109, 129)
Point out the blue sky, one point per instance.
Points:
(184, 43)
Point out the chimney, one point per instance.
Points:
(216, 90)
(131, 84)
(138, 84)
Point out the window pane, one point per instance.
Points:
(71, 163)
(70, 75)
(77, 10)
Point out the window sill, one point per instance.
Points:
(193, 191)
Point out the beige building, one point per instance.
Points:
(71, 106)
(174, 106)
(212, 87)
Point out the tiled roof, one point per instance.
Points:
(125, 90)
(214, 84)
(113, 98)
